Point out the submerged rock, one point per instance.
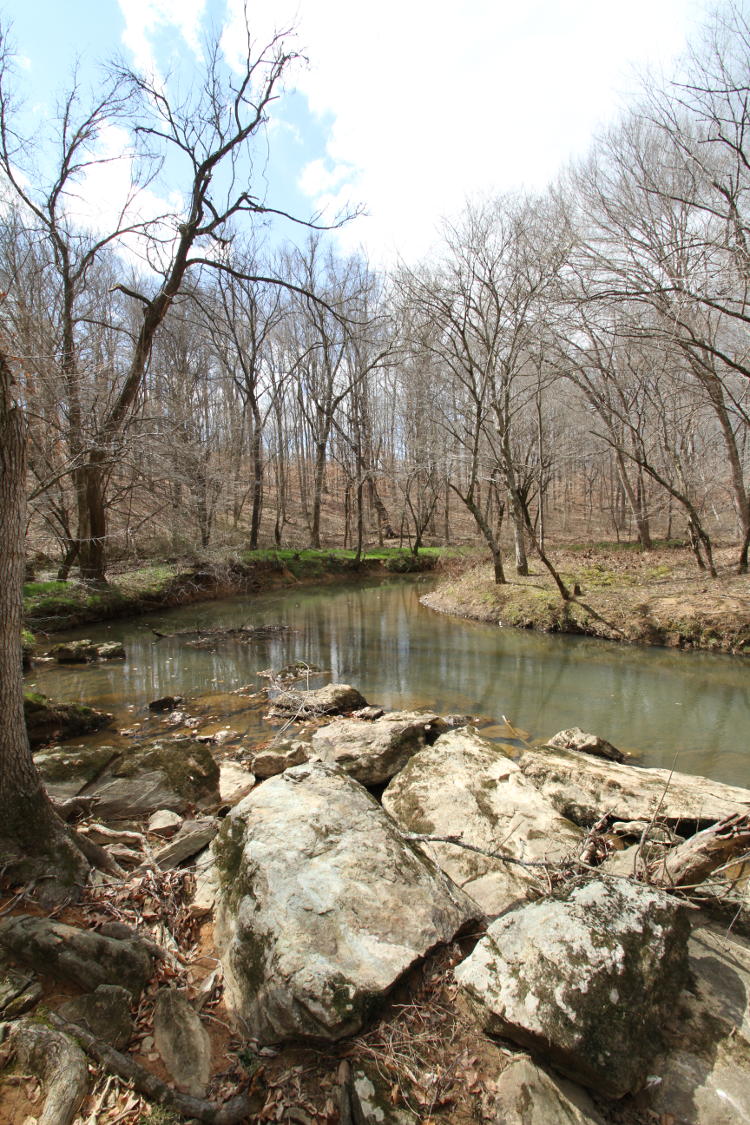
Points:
(371, 751)
(582, 742)
(464, 785)
(587, 978)
(583, 788)
(322, 906)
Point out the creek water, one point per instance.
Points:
(690, 711)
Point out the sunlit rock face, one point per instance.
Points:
(321, 906)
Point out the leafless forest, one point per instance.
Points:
(569, 365)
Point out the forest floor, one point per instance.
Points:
(51, 605)
(657, 597)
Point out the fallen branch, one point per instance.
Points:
(691, 862)
(233, 1112)
(504, 857)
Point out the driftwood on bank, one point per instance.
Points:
(689, 864)
(232, 1112)
(210, 636)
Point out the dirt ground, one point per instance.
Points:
(657, 598)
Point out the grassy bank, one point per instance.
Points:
(655, 598)
(50, 606)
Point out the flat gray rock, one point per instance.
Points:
(104, 1012)
(322, 906)
(583, 788)
(587, 979)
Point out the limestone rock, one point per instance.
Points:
(182, 1041)
(82, 956)
(582, 742)
(371, 751)
(111, 650)
(583, 788)
(333, 699)
(268, 763)
(206, 883)
(104, 1012)
(465, 783)
(587, 979)
(192, 838)
(528, 1095)
(322, 906)
(235, 782)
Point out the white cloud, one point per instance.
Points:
(433, 102)
(144, 18)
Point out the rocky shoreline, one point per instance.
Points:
(571, 928)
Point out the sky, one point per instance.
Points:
(405, 108)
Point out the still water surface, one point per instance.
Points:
(688, 710)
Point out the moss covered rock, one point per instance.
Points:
(587, 978)
(47, 721)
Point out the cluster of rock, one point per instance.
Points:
(327, 892)
(386, 834)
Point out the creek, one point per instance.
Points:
(690, 711)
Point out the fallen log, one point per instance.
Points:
(690, 863)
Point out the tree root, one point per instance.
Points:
(233, 1112)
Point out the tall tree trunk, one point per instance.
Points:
(33, 841)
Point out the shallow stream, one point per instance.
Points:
(687, 710)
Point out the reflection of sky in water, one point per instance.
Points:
(398, 653)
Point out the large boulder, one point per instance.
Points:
(583, 788)
(333, 699)
(372, 751)
(67, 771)
(587, 978)
(464, 785)
(322, 906)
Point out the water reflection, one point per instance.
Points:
(659, 702)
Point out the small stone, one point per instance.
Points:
(164, 822)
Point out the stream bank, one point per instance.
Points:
(647, 598)
(54, 606)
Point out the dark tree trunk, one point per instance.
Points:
(33, 841)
